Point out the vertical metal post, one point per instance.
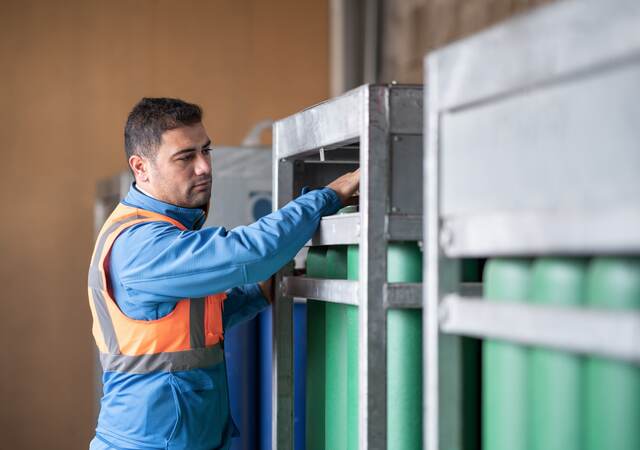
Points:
(282, 364)
(374, 172)
(345, 46)
(282, 392)
(371, 45)
(449, 369)
(431, 266)
(442, 355)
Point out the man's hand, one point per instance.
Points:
(267, 289)
(346, 185)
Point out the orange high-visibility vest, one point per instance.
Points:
(188, 337)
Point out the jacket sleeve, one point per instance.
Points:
(159, 262)
(243, 303)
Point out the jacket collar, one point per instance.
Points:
(191, 218)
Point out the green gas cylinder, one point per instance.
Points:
(404, 353)
(404, 349)
(504, 379)
(353, 327)
(612, 413)
(336, 342)
(316, 356)
(555, 388)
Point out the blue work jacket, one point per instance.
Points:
(153, 265)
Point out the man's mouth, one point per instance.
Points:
(202, 186)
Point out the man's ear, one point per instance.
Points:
(140, 167)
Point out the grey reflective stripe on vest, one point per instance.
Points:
(163, 362)
(196, 322)
(95, 280)
(104, 319)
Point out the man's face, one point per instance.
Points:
(181, 171)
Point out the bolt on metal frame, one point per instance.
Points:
(531, 150)
(379, 129)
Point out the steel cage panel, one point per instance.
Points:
(567, 87)
(564, 94)
(367, 119)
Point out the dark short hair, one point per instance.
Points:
(153, 116)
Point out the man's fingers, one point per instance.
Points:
(346, 185)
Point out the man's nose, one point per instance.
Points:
(203, 165)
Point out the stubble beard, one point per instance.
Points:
(198, 199)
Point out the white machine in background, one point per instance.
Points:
(241, 190)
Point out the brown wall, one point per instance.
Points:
(69, 73)
(415, 27)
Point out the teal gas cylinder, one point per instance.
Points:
(612, 413)
(504, 379)
(404, 354)
(404, 350)
(353, 327)
(555, 386)
(336, 345)
(316, 356)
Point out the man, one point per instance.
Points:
(162, 290)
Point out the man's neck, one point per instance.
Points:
(144, 191)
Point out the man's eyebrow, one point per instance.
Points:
(191, 149)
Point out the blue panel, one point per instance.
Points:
(242, 359)
(265, 355)
(300, 373)
(300, 365)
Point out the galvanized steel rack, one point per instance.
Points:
(379, 129)
(532, 149)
